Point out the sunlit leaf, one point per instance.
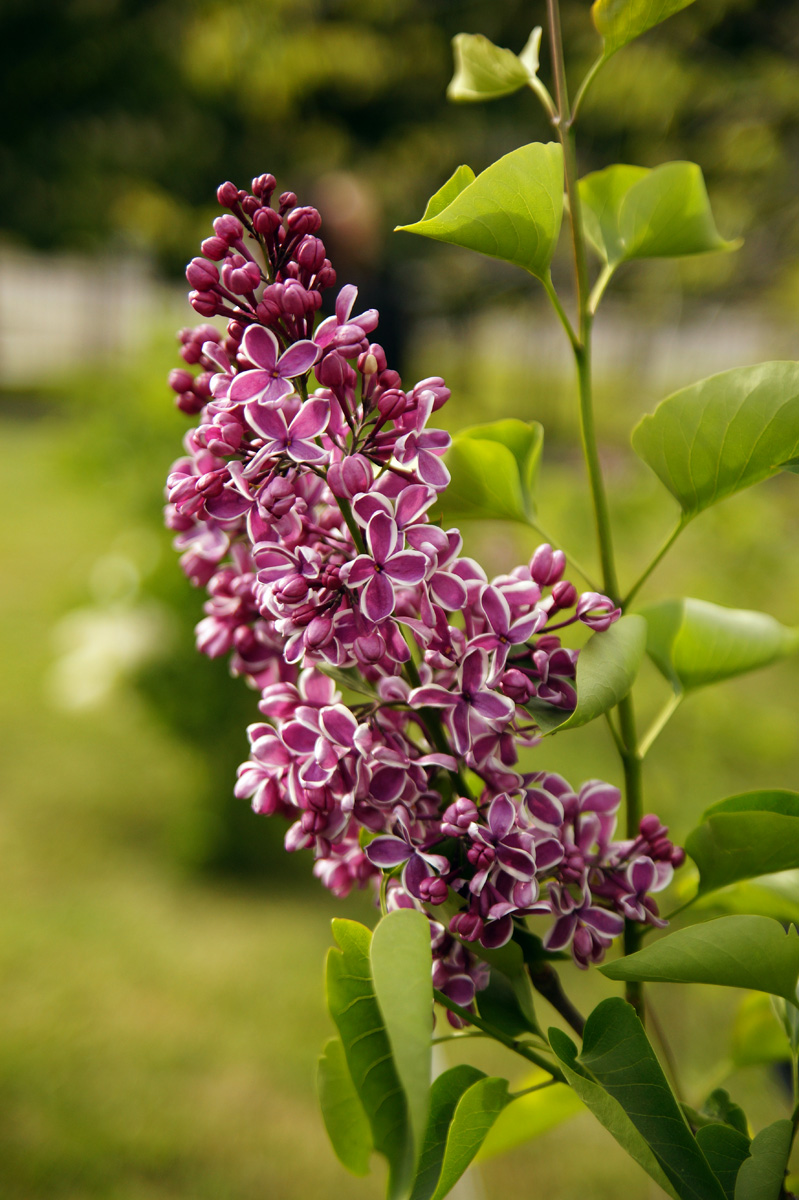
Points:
(401, 965)
(746, 836)
(618, 1065)
(345, 1120)
(694, 643)
(723, 434)
(761, 1176)
(725, 1149)
(511, 211)
(606, 670)
(530, 1116)
(742, 952)
(477, 1109)
(445, 1093)
(766, 896)
(632, 212)
(353, 1006)
(484, 71)
(620, 21)
(493, 469)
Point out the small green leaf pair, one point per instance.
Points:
(374, 1078)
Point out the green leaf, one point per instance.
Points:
(632, 212)
(723, 434)
(761, 1176)
(530, 1116)
(745, 837)
(484, 71)
(499, 1005)
(401, 970)
(694, 643)
(767, 896)
(757, 1037)
(606, 670)
(720, 1107)
(445, 1093)
(342, 1111)
(618, 1064)
(493, 469)
(742, 952)
(477, 1109)
(511, 211)
(460, 179)
(621, 21)
(353, 1006)
(725, 1149)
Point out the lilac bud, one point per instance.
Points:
(250, 205)
(202, 385)
(205, 303)
(286, 200)
(214, 248)
(596, 611)
(263, 187)
(458, 816)
(332, 370)
(265, 222)
(202, 274)
(318, 633)
(180, 380)
(240, 276)
(303, 220)
(392, 404)
(390, 379)
(517, 686)
(278, 497)
(651, 827)
(564, 595)
(326, 276)
(189, 404)
(295, 299)
(677, 856)
(349, 477)
(227, 194)
(466, 925)
(228, 228)
(547, 565)
(433, 890)
(310, 254)
(436, 385)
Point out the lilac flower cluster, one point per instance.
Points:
(302, 506)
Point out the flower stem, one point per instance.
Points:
(499, 1036)
(641, 580)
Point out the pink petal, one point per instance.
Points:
(447, 589)
(474, 671)
(268, 422)
(261, 347)
(412, 502)
(407, 567)
(501, 816)
(388, 852)
(358, 571)
(311, 419)
(298, 359)
(496, 609)
(493, 707)
(433, 696)
(381, 533)
(432, 470)
(345, 302)
(377, 598)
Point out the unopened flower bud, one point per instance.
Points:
(265, 222)
(202, 274)
(286, 200)
(189, 404)
(228, 228)
(458, 816)
(433, 890)
(214, 248)
(263, 187)
(250, 205)
(564, 595)
(310, 253)
(180, 380)
(205, 303)
(547, 565)
(596, 611)
(303, 220)
(392, 404)
(349, 477)
(466, 925)
(227, 194)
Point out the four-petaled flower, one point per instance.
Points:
(295, 440)
(386, 564)
(473, 708)
(269, 381)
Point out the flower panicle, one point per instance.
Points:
(302, 505)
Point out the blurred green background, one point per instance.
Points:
(161, 957)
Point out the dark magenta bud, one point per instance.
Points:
(181, 380)
(466, 925)
(227, 194)
(310, 253)
(189, 404)
(250, 205)
(228, 228)
(265, 222)
(303, 220)
(202, 274)
(263, 186)
(326, 276)
(206, 304)
(564, 594)
(392, 404)
(214, 247)
(286, 201)
(433, 890)
(547, 565)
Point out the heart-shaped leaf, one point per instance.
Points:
(530, 1116)
(761, 1176)
(484, 71)
(694, 643)
(493, 469)
(345, 1121)
(445, 1093)
(723, 434)
(746, 836)
(511, 211)
(620, 21)
(353, 1006)
(476, 1111)
(741, 952)
(618, 1065)
(606, 670)
(632, 212)
(401, 969)
(725, 1149)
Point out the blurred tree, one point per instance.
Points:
(127, 113)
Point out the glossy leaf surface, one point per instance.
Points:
(493, 469)
(723, 434)
(512, 211)
(694, 643)
(401, 965)
(725, 1149)
(476, 1111)
(445, 1093)
(342, 1111)
(620, 21)
(761, 1176)
(746, 836)
(617, 1058)
(606, 670)
(353, 1006)
(631, 212)
(742, 952)
(484, 71)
